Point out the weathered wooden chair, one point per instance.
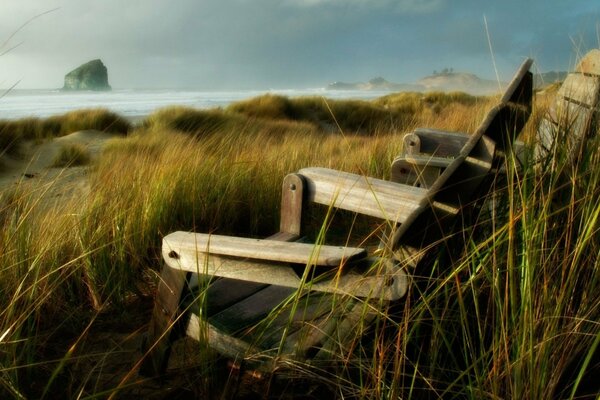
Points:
(573, 117)
(280, 299)
(574, 114)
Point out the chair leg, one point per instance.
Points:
(157, 346)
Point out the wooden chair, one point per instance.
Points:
(573, 117)
(574, 114)
(278, 299)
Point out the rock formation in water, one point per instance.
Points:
(92, 75)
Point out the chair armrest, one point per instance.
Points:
(388, 283)
(261, 249)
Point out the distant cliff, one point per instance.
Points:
(376, 84)
(460, 81)
(446, 81)
(92, 75)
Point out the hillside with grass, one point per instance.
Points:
(515, 317)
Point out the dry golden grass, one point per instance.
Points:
(516, 310)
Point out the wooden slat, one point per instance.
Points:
(368, 196)
(409, 173)
(590, 64)
(221, 341)
(295, 316)
(349, 328)
(426, 160)
(571, 117)
(520, 88)
(440, 143)
(263, 249)
(250, 310)
(581, 89)
(319, 332)
(545, 138)
(225, 292)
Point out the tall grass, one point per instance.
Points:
(515, 314)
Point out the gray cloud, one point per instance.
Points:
(212, 44)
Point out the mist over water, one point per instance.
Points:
(139, 103)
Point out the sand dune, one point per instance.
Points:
(33, 167)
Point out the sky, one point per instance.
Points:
(286, 44)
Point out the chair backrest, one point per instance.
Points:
(425, 216)
(455, 189)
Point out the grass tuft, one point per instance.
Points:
(70, 155)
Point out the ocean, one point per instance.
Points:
(135, 104)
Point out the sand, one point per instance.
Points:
(33, 170)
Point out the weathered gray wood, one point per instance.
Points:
(440, 143)
(296, 315)
(572, 118)
(581, 89)
(291, 204)
(245, 313)
(261, 249)
(166, 311)
(454, 187)
(368, 196)
(519, 92)
(573, 115)
(219, 340)
(409, 172)
(345, 331)
(224, 292)
(411, 144)
(545, 139)
(426, 160)
(388, 285)
(464, 177)
(590, 63)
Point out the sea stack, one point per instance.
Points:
(92, 75)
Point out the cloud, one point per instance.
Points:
(399, 6)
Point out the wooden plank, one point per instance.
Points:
(572, 118)
(247, 312)
(368, 196)
(166, 311)
(440, 143)
(545, 138)
(263, 249)
(224, 292)
(349, 327)
(310, 337)
(590, 63)
(293, 317)
(410, 173)
(221, 341)
(520, 88)
(387, 285)
(426, 160)
(581, 89)
(292, 193)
